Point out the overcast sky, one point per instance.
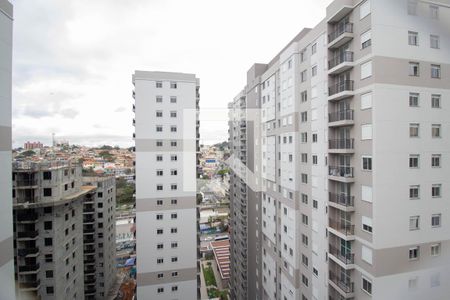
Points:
(73, 59)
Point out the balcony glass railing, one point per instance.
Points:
(342, 199)
(341, 144)
(343, 282)
(341, 226)
(341, 29)
(345, 256)
(341, 171)
(345, 85)
(343, 115)
(346, 56)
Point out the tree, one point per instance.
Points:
(28, 153)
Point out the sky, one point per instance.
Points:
(73, 59)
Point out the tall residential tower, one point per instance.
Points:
(353, 145)
(166, 109)
(6, 231)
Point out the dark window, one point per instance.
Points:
(48, 210)
(48, 257)
(48, 225)
(100, 205)
(73, 184)
(100, 194)
(49, 274)
(67, 217)
(47, 175)
(47, 192)
(50, 290)
(48, 241)
(66, 187)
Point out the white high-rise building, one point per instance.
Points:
(6, 231)
(166, 109)
(353, 142)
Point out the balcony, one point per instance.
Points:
(342, 201)
(341, 146)
(342, 283)
(89, 240)
(89, 251)
(26, 183)
(342, 35)
(341, 118)
(341, 90)
(90, 280)
(26, 199)
(340, 63)
(88, 230)
(341, 173)
(28, 252)
(89, 261)
(29, 269)
(90, 291)
(88, 210)
(342, 227)
(29, 286)
(347, 258)
(89, 270)
(27, 235)
(27, 218)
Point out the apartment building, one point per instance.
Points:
(99, 238)
(166, 135)
(48, 229)
(353, 148)
(6, 231)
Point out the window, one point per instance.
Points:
(414, 253)
(303, 55)
(366, 224)
(304, 199)
(304, 137)
(47, 175)
(174, 259)
(304, 116)
(49, 290)
(314, 159)
(314, 48)
(173, 216)
(304, 280)
(173, 99)
(436, 130)
(364, 9)
(414, 69)
(173, 187)
(304, 178)
(159, 202)
(366, 132)
(366, 39)
(159, 158)
(435, 71)
(160, 260)
(413, 38)
(367, 285)
(48, 225)
(304, 260)
(367, 163)
(434, 12)
(413, 99)
(160, 290)
(48, 257)
(414, 192)
(49, 274)
(159, 143)
(173, 143)
(315, 204)
(174, 274)
(159, 99)
(174, 245)
(174, 288)
(173, 158)
(304, 240)
(314, 138)
(160, 275)
(159, 114)
(159, 216)
(414, 223)
(173, 230)
(159, 187)
(436, 220)
(47, 192)
(412, 7)
(305, 219)
(434, 41)
(436, 101)
(413, 130)
(173, 201)
(314, 71)
(173, 85)
(436, 160)
(435, 249)
(159, 128)
(366, 101)
(159, 84)
(48, 241)
(160, 246)
(414, 161)
(159, 172)
(303, 76)
(173, 128)
(304, 96)
(174, 172)
(159, 231)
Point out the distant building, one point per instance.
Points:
(100, 235)
(6, 229)
(33, 145)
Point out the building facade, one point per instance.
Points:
(6, 231)
(99, 226)
(166, 136)
(353, 147)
